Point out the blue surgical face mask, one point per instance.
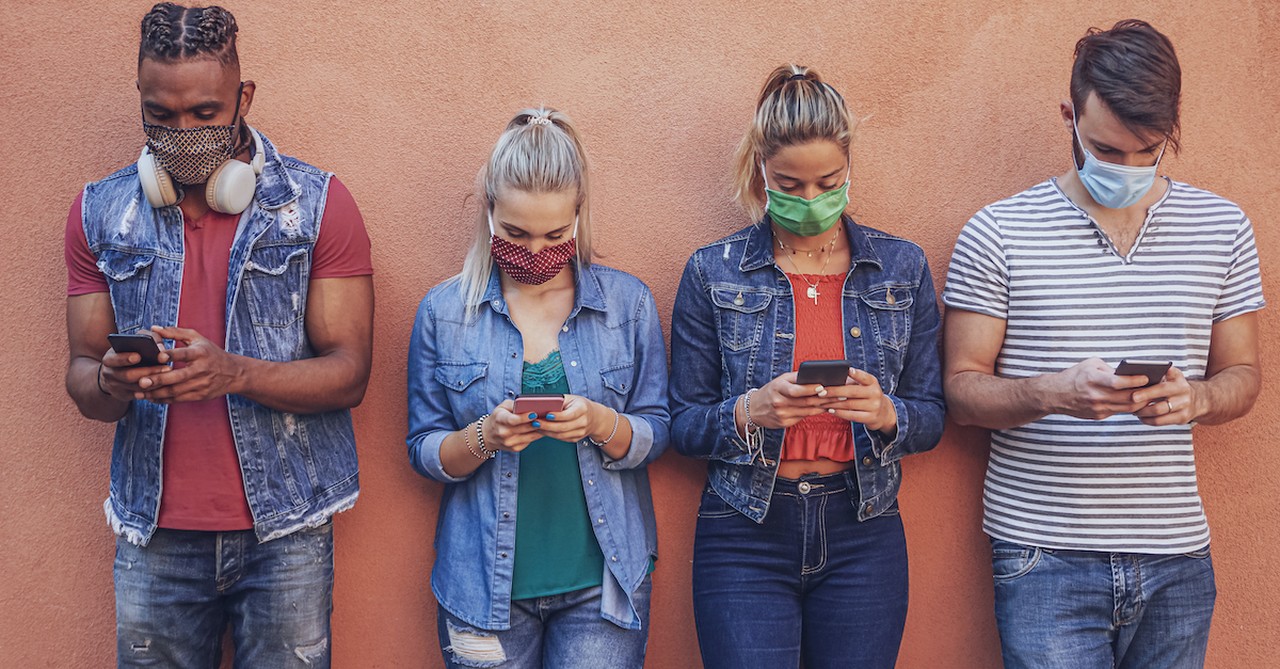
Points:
(1114, 186)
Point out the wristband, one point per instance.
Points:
(99, 379)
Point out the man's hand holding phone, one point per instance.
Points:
(205, 372)
(139, 356)
(1172, 401)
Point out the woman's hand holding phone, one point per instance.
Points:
(505, 430)
(782, 402)
(863, 401)
(575, 420)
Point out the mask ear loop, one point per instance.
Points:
(765, 179)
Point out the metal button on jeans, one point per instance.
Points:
(804, 487)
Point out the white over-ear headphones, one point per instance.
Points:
(229, 190)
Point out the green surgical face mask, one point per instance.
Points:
(805, 217)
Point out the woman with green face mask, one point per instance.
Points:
(799, 552)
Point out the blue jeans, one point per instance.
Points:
(1079, 609)
(811, 582)
(175, 597)
(556, 632)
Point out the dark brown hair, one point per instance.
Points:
(1135, 72)
(172, 32)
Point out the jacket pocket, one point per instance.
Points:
(740, 316)
(273, 284)
(128, 278)
(889, 306)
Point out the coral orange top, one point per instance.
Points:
(819, 336)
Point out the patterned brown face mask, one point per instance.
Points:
(190, 155)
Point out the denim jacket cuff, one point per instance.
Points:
(888, 452)
(641, 445)
(729, 425)
(426, 458)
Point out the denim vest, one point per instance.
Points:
(461, 366)
(733, 329)
(298, 470)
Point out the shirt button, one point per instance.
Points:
(508, 475)
(867, 508)
(511, 393)
(600, 520)
(867, 460)
(503, 555)
(513, 355)
(573, 363)
(613, 558)
(855, 332)
(804, 487)
(591, 481)
(564, 329)
(506, 514)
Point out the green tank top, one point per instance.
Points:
(556, 550)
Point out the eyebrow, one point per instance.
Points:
(511, 227)
(207, 105)
(828, 175)
(1148, 149)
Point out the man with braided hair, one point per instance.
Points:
(234, 446)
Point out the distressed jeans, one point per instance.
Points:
(811, 583)
(555, 632)
(175, 597)
(1086, 610)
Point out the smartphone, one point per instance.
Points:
(823, 372)
(141, 344)
(541, 404)
(1154, 371)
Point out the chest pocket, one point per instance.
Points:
(274, 284)
(740, 315)
(620, 379)
(889, 306)
(129, 280)
(464, 381)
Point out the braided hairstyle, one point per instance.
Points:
(172, 32)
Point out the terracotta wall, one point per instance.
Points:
(403, 100)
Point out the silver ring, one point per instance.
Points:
(1170, 405)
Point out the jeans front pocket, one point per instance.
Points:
(713, 506)
(1010, 560)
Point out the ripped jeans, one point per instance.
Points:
(175, 597)
(556, 632)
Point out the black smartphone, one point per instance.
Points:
(823, 372)
(541, 404)
(141, 344)
(1154, 371)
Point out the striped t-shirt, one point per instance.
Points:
(1041, 264)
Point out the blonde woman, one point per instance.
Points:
(546, 535)
(799, 551)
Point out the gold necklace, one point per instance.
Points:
(809, 252)
(812, 292)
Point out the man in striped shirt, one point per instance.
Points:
(1100, 544)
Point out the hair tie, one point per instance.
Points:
(801, 75)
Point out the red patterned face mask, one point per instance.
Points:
(531, 268)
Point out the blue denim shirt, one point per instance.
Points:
(734, 329)
(298, 470)
(460, 368)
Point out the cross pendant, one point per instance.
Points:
(812, 293)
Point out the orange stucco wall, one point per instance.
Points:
(403, 99)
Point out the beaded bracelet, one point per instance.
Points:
(480, 438)
(612, 433)
(746, 410)
(466, 439)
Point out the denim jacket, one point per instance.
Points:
(461, 367)
(298, 470)
(733, 329)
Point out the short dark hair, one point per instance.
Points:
(171, 32)
(1135, 72)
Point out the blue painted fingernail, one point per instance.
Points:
(551, 416)
(536, 424)
(533, 415)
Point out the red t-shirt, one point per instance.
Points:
(202, 488)
(819, 336)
